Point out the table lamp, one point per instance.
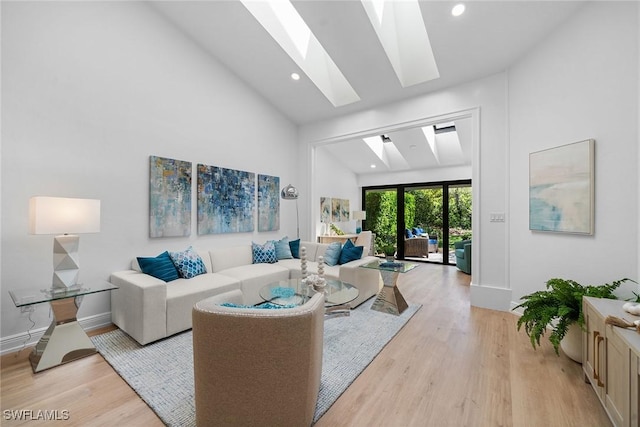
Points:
(359, 216)
(63, 216)
(291, 193)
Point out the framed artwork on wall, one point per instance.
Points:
(325, 210)
(339, 210)
(169, 197)
(344, 210)
(335, 210)
(561, 189)
(226, 200)
(268, 203)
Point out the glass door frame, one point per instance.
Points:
(400, 224)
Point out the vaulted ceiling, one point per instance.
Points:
(486, 39)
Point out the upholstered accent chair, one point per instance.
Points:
(463, 255)
(257, 367)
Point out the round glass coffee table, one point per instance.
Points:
(293, 292)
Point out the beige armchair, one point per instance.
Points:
(257, 367)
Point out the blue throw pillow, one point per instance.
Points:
(407, 233)
(332, 254)
(160, 267)
(295, 248)
(350, 252)
(264, 254)
(283, 250)
(188, 263)
(415, 231)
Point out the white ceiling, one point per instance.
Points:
(486, 39)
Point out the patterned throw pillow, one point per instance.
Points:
(264, 254)
(188, 263)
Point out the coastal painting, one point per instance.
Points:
(226, 200)
(169, 197)
(325, 209)
(561, 189)
(339, 210)
(268, 203)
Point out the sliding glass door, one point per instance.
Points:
(381, 206)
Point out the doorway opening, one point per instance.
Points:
(419, 222)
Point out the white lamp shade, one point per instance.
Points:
(358, 215)
(59, 215)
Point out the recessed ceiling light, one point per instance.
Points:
(295, 76)
(458, 9)
(413, 146)
(373, 166)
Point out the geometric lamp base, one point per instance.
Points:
(66, 262)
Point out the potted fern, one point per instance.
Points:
(559, 308)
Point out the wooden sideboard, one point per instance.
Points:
(342, 238)
(611, 360)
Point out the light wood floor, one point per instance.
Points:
(451, 365)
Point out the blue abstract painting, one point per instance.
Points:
(268, 203)
(169, 197)
(561, 189)
(226, 200)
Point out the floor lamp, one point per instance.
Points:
(291, 193)
(61, 216)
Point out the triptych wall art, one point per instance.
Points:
(169, 197)
(334, 210)
(268, 203)
(226, 199)
(561, 189)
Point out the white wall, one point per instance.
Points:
(90, 91)
(580, 83)
(334, 180)
(489, 174)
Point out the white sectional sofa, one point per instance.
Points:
(149, 309)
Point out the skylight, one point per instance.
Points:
(444, 143)
(403, 36)
(294, 25)
(283, 22)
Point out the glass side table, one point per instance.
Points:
(64, 340)
(389, 299)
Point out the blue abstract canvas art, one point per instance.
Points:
(268, 203)
(169, 197)
(226, 200)
(561, 188)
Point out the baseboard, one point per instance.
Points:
(490, 297)
(30, 338)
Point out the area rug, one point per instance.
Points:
(162, 372)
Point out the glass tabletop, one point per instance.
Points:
(292, 292)
(29, 296)
(397, 266)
